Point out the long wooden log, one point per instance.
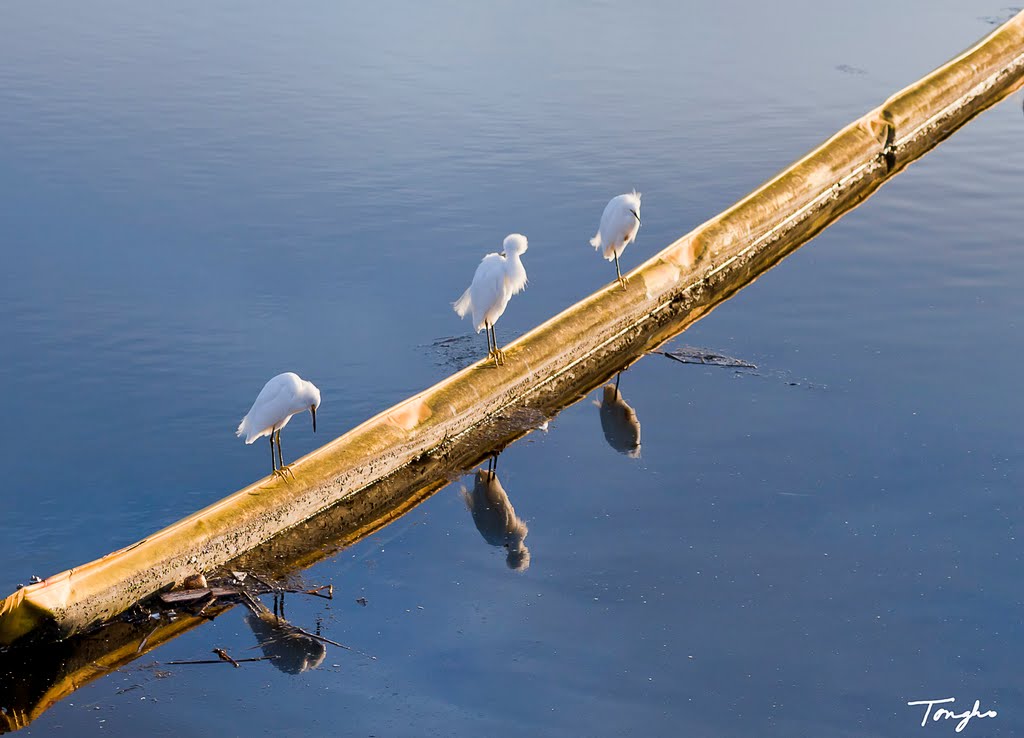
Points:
(665, 294)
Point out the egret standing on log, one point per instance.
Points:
(498, 277)
(619, 223)
(280, 399)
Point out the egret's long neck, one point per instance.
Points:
(307, 396)
(515, 269)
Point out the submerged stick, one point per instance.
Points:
(551, 364)
(236, 662)
(318, 637)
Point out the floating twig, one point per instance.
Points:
(324, 639)
(145, 638)
(223, 656)
(221, 661)
(209, 600)
(318, 591)
(181, 596)
(270, 587)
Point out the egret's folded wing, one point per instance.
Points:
(274, 402)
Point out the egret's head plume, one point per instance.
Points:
(515, 243)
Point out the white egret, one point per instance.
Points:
(498, 277)
(280, 399)
(620, 222)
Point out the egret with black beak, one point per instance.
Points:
(620, 222)
(280, 399)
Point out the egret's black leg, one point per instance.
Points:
(494, 343)
(273, 468)
(617, 272)
(282, 468)
(499, 355)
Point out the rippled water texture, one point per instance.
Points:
(194, 198)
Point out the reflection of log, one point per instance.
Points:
(553, 362)
(32, 680)
(33, 676)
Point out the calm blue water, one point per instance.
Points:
(195, 198)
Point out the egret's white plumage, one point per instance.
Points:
(280, 399)
(620, 222)
(498, 277)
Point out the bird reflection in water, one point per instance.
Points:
(495, 517)
(618, 421)
(289, 648)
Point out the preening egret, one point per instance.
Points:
(619, 422)
(495, 518)
(280, 399)
(498, 277)
(619, 223)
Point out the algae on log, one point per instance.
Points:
(665, 294)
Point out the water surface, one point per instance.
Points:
(196, 198)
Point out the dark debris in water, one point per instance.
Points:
(741, 368)
(786, 378)
(695, 355)
(289, 647)
(998, 20)
(848, 69)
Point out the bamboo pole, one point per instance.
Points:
(667, 293)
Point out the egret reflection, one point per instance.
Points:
(495, 517)
(618, 421)
(290, 649)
